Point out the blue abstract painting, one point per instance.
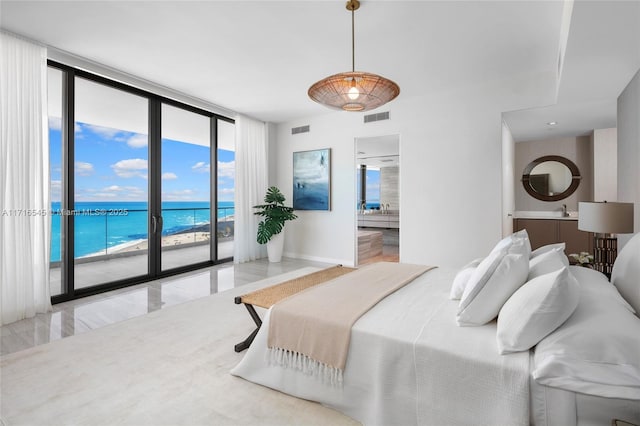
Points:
(312, 180)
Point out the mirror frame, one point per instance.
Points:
(575, 178)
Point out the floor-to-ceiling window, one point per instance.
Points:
(134, 177)
(111, 196)
(226, 188)
(371, 187)
(186, 187)
(55, 90)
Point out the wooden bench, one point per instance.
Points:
(269, 296)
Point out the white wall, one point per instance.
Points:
(450, 176)
(605, 164)
(629, 150)
(508, 180)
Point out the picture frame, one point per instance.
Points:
(312, 180)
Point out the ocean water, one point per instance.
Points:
(101, 225)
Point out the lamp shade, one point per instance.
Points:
(605, 218)
(336, 91)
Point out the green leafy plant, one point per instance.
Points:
(275, 214)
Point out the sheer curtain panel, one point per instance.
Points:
(24, 180)
(251, 186)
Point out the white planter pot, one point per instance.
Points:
(275, 246)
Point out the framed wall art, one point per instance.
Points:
(312, 180)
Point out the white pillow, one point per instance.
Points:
(495, 279)
(544, 249)
(462, 278)
(599, 285)
(508, 241)
(536, 309)
(626, 272)
(596, 350)
(549, 261)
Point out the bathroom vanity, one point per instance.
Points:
(545, 229)
(378, 219)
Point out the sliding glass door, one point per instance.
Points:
(134, 185)
(226, 161)
(186, 187)
(111, 172)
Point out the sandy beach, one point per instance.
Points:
(184, 237)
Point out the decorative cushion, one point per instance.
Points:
(495, 279)
(461, 279)
(626, 272)
(536, 309)
(544, 249)
(549, 261)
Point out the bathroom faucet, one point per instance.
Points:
(564, 211)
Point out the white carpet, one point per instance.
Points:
(169, 367)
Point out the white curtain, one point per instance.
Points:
(24, 180)
(251, 186)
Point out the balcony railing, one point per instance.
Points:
(124, 232)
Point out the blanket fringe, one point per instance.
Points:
(300, 362)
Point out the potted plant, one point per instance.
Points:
(583, 258)
(275, 214)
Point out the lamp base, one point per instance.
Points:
(605, 251)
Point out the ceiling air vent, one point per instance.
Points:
(376, 117)
(301, 129)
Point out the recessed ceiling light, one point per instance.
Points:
(552, 123)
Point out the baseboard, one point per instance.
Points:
(344, 262)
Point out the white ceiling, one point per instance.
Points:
(260, 57)
(378, 151)
(603, 54)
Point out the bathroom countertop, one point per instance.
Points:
(555, 215)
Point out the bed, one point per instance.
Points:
(411, 363)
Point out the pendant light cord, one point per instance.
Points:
(353, 41)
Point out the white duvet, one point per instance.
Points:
(409, 363)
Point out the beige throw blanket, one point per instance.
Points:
(310, 331)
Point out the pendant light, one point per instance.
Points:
(354, 90)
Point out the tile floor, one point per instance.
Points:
(81, 315)
(93, 271)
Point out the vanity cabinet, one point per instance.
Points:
(548, 231)
(379, 220)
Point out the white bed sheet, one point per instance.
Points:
(394, 372)
(558, 407)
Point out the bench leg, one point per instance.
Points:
(247, 342)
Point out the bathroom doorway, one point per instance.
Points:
(377, 199)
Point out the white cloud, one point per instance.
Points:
(138, 141)
(84, 169)
(134, 167)
(105, 132)
(179, 195)
(169, 176)
(201, 167)
(56, 190)
(227, 169)
(55, 123)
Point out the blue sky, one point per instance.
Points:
(112, 165)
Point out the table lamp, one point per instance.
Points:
(605, 219)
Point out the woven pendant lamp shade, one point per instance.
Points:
(373, 89)
(354, 90)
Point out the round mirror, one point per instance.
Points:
(551, 178)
